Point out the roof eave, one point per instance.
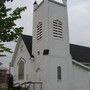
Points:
(80, 64)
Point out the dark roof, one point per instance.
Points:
(78, 53)
(28, 42)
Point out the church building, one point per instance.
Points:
(46, 60)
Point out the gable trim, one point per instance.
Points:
(15, 51)
(81, 65)
(21, 59)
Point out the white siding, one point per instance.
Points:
(28, 63)
(58, 49)
(80, 78)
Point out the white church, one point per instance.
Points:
(46, 60)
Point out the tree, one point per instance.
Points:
(8, 28)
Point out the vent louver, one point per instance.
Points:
(57, 29)
(39, 31)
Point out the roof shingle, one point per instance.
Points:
(28, 42)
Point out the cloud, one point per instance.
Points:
(79, 21)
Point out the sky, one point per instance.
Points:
(78, 18)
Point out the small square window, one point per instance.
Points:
(46, 52)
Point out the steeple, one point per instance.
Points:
(50, 27)
(51, 45)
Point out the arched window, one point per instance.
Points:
(21, 70)
(59, 73)
(39, 31)
(57, 29)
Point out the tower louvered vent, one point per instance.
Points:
(39, 31)
(57, 29)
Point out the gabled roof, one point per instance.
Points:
(80, 53)
(28, 42)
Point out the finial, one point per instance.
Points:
(35, 5)
(35, 2)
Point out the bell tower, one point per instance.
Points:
(51, 45)
(50, 27)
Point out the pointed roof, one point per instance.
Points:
(78, 53)
(28, 42)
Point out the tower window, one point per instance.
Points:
(39, 31)
(21, 70)
(57, 29)
(59, 73)
(46, 52)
